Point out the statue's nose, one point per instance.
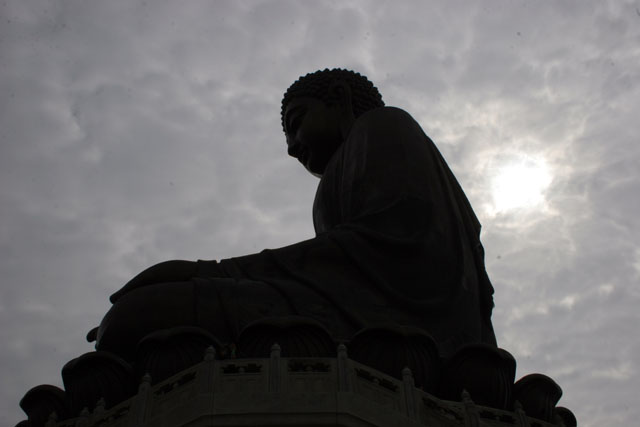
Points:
(92, 335)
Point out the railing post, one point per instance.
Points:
(409, 393)
(206, 371)
(53, 420)
(274, 369)
(140, 402)
(521, 416)
(344, 376)
(472, 418)
(83, 419)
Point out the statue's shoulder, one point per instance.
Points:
(385, 117)
(386, 124)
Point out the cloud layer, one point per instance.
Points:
(133, 132)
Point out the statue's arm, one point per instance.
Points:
(170, 271)
(388, 182)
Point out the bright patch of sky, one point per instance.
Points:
(520, 183)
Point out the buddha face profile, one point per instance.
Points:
(314, 131)
(318, 112)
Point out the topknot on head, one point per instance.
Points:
(364, 95)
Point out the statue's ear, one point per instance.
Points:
(340, 94)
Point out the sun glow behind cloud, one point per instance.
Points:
(520, 183)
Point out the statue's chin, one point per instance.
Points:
(313, 169)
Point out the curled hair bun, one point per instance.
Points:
(364, 95)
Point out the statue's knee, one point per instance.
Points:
(164, 272)
(144, 310)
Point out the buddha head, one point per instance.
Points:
(318, 111)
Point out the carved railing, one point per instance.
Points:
(291, 391)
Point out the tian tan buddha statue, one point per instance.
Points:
(397, 242)
(394, 280)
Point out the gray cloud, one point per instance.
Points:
(133, 132)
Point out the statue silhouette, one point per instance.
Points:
(397, 242)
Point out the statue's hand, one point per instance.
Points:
(168, 271)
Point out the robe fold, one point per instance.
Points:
(396, 242)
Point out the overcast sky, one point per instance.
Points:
(133, 132)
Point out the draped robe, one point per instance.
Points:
(397, 242)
